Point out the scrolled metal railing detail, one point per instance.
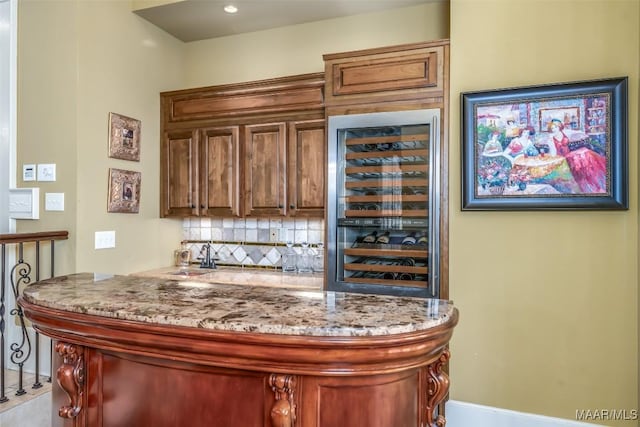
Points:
(20, 351)
(20, 274)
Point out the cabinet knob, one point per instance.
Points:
(201, 206)
(292, 206)
(193, 206)
(279, 206)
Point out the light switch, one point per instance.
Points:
(53, 201)
(105, 239)
(47, 172)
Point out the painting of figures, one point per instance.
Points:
(551, 147)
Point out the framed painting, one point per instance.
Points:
(124, 137)
(557, 146)
(124, 191)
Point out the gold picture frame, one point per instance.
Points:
(124, 191)
(124, 137)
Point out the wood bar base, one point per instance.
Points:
(118, 373)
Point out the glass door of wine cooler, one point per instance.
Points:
(382, 219)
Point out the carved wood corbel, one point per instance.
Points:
(70, 377)
(283, 412)
(437, 389)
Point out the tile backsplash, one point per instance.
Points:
(250, 241)
(254, 230)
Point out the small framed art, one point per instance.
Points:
(124, 191)
(124, 137)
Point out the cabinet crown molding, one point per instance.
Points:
(280, 95)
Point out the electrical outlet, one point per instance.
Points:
(105, 239)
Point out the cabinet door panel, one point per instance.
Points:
(146, 392)
(220, 183)
(179, 192)
(265, 170)
(368, 401)
(307, 162)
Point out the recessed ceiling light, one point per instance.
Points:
(230, 8)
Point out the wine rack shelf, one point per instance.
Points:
(384, 268)
(393, 282)
(395, 155)
(386, 184)
(391, 198)
(386, 213)
(411, 253)
(400, 140)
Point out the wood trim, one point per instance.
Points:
(282, 95)
(33, 237)
(385, 49)
(444, 180)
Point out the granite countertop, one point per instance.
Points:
(238, 276)
(238, 308)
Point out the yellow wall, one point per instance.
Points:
(548, 300)
(298, 49)
(78, 61)
(47, 93)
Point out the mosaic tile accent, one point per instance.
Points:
(242, 253)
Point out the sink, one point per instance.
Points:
(188, 273)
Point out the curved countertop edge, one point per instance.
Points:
(237, 308)
(318, 355)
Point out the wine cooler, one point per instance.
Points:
(383, 203)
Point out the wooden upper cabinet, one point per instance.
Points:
(395, 74)
(307, 162)
(179, 171)
(219, 153)
(245, 144)
(265, 169)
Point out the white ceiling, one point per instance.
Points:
(191, 20)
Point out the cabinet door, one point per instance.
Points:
(265, 170)
(220, 172)
(179, 174)
(306, 163)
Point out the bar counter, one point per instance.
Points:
(137, 351)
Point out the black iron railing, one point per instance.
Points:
(12, 277)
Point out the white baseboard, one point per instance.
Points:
(463, 414)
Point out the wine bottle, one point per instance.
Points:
(410, 262)
(383, 238)
(410, 239)
(422, 239)
(370, 238)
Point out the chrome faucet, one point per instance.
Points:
(207, 259)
